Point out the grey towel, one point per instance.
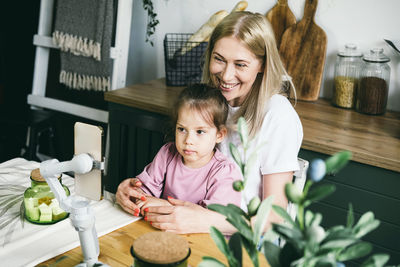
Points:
(83, 30)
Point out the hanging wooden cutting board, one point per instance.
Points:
(281, 18)
(303, 51)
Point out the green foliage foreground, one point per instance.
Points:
(306, 242)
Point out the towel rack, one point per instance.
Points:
(43, 42)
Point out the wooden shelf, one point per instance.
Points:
(373, 140)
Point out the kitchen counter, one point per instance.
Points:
(374, 140)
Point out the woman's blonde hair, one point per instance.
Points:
(253, 30)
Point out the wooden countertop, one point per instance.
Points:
(374, 140)
(115, 248)
(154, 96)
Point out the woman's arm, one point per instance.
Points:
(274, 184)
(181, 217)
(185, 217)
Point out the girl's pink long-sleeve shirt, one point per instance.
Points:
(167, 176)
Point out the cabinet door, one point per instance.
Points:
(135, 138)
(368, 188)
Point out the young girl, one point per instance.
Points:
(191, 168)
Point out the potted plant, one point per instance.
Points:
(306, 242)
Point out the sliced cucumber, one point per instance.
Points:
(45, 213)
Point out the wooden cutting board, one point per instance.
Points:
(281, 18)
(303, 51)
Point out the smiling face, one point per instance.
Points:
(195, 137)
(233, 69)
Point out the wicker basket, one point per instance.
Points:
(183, 60)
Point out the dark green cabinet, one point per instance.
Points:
(135, 138)
(368, 188)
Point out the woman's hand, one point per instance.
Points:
(184, 217)
(151, 202)
(128, 193)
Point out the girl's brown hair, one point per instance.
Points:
(206, 100)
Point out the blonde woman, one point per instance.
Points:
(243, 62)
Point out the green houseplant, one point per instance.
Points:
(306, 242)
(152, 20)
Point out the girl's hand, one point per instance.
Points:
(180, 217)
(151, 202)
(128, 193)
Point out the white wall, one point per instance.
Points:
(364, 22)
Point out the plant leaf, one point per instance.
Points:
(252, 159)
(338, 243)
(234, 218)
(10, 231)
(220, 241)
(290, 254)
(261, 218)
(243, 131)
(270, 236)
(350, 216)
(366, 228)
(13, 188)
(6, 206)
(249, 164)
(236, 209)
(252, 251)
(8, 221)
(338, 232)
(283, 213)
(22, 214)
(308, 218)
(242, 227)
(355, 251)
(366, 224)
(224, 210)
(235, 245)
(236, 155)
(210, 262)
(292, 235)
(319, 192)
(8, 200)
(316, 219)
(376, 260)
(271, 253)
(337, 161)
(325, 262)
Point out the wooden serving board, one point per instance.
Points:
(303, 51)
(281, 18)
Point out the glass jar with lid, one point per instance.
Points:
(40, 204)
(347, 71)
(372, 94)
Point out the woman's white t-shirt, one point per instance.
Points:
(281, 133)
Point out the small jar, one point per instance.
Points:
(40, 204)
(347, 71)
(372, 94)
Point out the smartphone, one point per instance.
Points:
(89, 139)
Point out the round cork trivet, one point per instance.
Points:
(36, 176)
(160, 247)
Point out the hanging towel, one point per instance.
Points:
(83, 30)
